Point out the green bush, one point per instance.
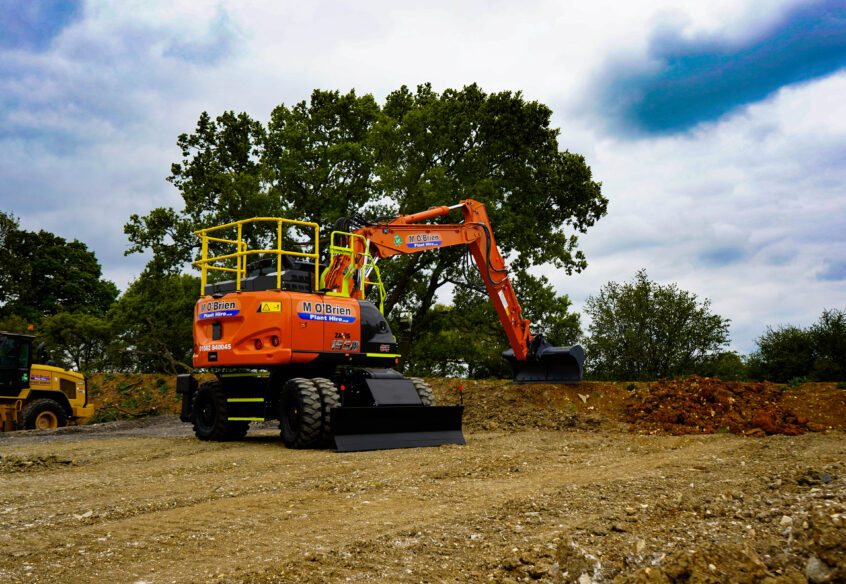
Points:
(796, 382)
(107, 414)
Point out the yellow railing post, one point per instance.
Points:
(316, 257)
(278, 254)
(205, 271)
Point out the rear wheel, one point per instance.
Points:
(44, 414)
(424, 391)
(329, 398)
(211, 415)
(300, 414)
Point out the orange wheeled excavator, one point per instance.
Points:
(304, 346)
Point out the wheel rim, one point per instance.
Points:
(46, 421)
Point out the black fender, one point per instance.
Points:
(186, 385)
(56, 396)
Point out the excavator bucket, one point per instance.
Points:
(548, 364)
(385, 427)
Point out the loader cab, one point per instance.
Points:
(15, 361)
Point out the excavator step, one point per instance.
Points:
(386, 427)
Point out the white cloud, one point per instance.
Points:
(767, 182)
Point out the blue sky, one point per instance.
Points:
(718, 129)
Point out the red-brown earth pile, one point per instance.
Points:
(704, 405)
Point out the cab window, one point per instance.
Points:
(23, 356)
(10, 353)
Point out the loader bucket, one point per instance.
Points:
(548, 364)
(385, 427)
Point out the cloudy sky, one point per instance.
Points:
(718, 128)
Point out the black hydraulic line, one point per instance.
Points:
(489, 248)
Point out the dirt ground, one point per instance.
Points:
(554, 485)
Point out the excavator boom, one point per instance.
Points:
(532, 357)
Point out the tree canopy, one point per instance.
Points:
(642, 330)
(340, 155)
(42, 274)
(152, 324)
(790, 352)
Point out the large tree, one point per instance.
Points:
(643, 330)
(42, 274)
(80, 340)
(151, 324)
(340, 155)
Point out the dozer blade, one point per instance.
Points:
(386, 427)
(548, 364)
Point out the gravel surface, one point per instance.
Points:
(549, 488)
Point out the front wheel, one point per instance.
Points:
(300, 415)
(329, 400)
(211, 415)
(44, 414)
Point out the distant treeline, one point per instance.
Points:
(639, 330)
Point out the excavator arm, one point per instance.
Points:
(533, 358)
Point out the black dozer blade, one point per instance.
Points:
(547, 363)
(386, 427)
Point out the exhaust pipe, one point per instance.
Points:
(547, 363)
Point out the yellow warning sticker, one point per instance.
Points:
(270, 307)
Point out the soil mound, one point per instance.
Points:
(705, 405)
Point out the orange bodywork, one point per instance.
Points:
(273, 327)
(403, 235)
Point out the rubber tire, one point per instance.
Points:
(30, 413)
(424, 391)
(329, 398)
(300, 414)
(210, 413)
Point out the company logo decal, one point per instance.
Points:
(219, 309)
(325, 311)
(270, 307)
(397, 239)
(424, 240)
(40, 379)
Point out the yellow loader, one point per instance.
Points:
(36, 395)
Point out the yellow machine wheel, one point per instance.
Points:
(43, 414)
(46, 421)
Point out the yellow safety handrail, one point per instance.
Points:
(241, 251)
(368, 262)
